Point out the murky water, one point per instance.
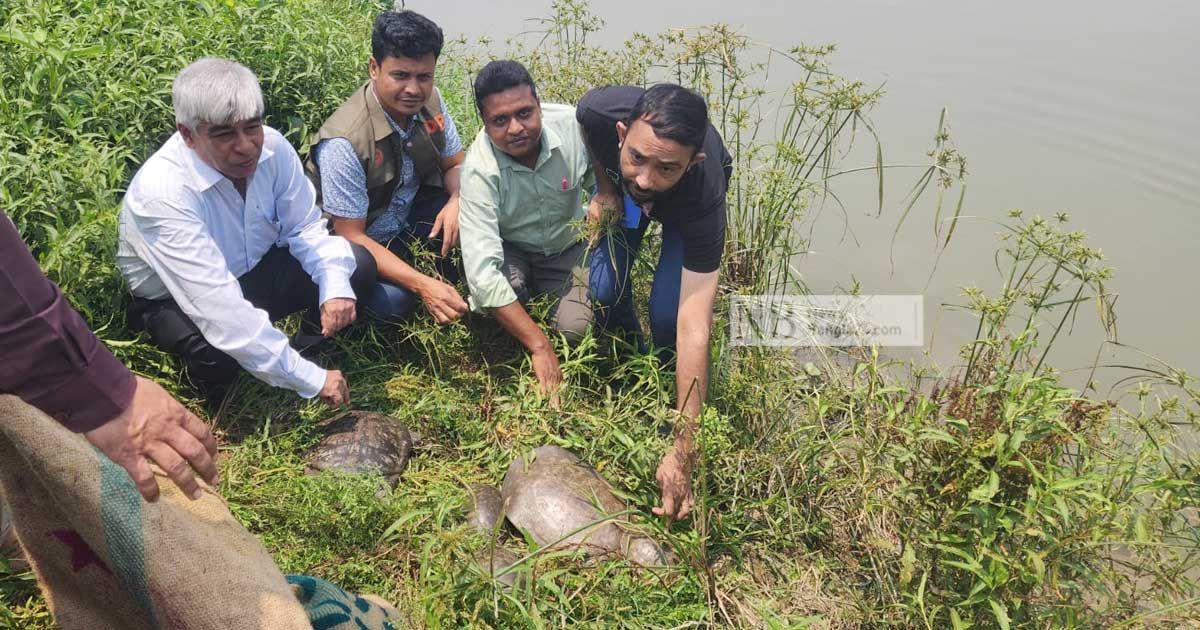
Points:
(1085, 107)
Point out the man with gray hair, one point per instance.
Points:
(220, 236)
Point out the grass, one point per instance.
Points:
(842, 497)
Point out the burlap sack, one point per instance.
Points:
(331, 608)
(11, 558)
(107, 559)
(7, 537)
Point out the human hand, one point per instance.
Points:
(442, 300)
(336, 314)
(446, 224)
(602, 205)
(156, 427)
(336, 391)
(675, 480)
(549, 375)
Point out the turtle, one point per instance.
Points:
(562, 502)
(362, 441)
(488, 504)
(487, 518)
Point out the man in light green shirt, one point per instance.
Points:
(520, 213)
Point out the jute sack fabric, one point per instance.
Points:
(105, 558)
(7, 537)
(331, 608)
(11, 557)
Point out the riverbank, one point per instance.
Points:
(1000, 499)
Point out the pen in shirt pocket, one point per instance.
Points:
(564, 184)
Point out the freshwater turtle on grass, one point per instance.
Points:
(488, 519)
(562, 502)
(486, 515)
(362, 441)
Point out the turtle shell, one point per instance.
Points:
(362, 441)
(562, 501)
(553, 493)
(496, 565)
(485, 515)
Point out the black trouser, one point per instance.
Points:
(391, 301)
(277, 285)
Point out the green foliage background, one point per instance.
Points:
(87, 97)
(840, 495)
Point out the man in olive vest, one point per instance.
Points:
(385, 166)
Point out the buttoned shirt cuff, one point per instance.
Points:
(98, 393)
(336, 285)
(493, 292)
(309, 378)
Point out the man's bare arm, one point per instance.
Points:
(607, 198)
(451, 172)
(516, 320)
(697, 292)
(446, 224)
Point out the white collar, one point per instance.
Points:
(204, 176)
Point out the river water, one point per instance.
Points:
(1085, 107)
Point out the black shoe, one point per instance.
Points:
(310, 345)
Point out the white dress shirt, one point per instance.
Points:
(186, 233)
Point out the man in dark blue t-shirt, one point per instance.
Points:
(657, 157)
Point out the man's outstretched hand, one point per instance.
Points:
(675, 480)
(155, 427)
(549, 375)
(442, 300)
(446, 225)
(336, 391)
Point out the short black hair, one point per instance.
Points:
(498, 76)
(674, 112)
(405, 34)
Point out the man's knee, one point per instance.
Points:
(606, 281)
(211, 370)
(664, 320)
(173, 331)
(573, 314)
(520, 285)
(388, 301)
(603, 289)
(365, 271)
(572, 323)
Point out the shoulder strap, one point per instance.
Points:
(434, 104)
